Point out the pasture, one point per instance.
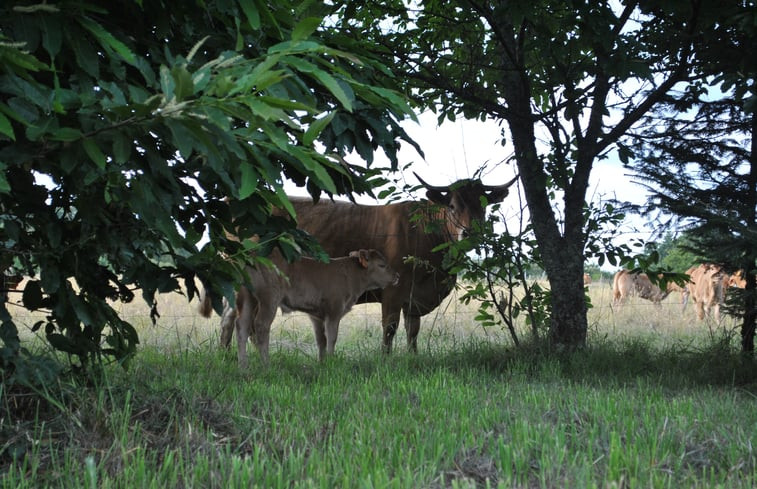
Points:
(657, 400)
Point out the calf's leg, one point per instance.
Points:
(243, 325)
(332, 331)
(266, 312)
(228, 319)
(320, 335)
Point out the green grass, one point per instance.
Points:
(644, 406)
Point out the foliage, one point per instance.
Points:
(501, 277)
(569, 79)
(698, 154)
(675, 252)
(125, 127)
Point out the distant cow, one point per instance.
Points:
(626, 284)
(707, 287)
(325, 291)
(587, 279)
(409, 234)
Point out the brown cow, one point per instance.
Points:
(707, 287)
(408, 233)
(626, 284)
(325, 291)
(587, 279)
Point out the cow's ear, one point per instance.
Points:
(438, 197)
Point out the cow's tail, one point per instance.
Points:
(206, 304)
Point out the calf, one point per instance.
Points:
(325, 291)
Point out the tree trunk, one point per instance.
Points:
(750, 314)
(562, 255)
(750, 292)
(569, 325)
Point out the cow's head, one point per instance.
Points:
(462, 202)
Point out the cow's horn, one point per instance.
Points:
(431, 187)
(501, 187)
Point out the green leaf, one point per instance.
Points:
(107, 40)
(252, 14)
(254, 78)
(94, 152)
(52, 34)
(396, 99)
(66, 134)
(249, 180)
(335, 88)
(262, 109)
(5, 127)
(184, 86)
(121, 148)
(167, 83)
(5, 186)
(200, 79)
(305, 28)
(283, 201)
(321, 175)
(10, 57)
(62, 343)
(315, 129)
(342, 93)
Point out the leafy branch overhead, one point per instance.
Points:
(126, 127)
(568, 81)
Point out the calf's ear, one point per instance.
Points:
(362, 257)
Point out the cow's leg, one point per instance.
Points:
(320, 335)
(412, 326)
(243, 325)
(716, 312)
(390, 319)
(228, 319)
(700, 309)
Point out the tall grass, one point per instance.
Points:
(656, 400)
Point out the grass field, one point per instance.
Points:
(657, 400)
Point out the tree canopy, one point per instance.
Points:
(698, 154)
(126, 125)
(568, 79)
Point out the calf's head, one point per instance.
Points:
(376, 267)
